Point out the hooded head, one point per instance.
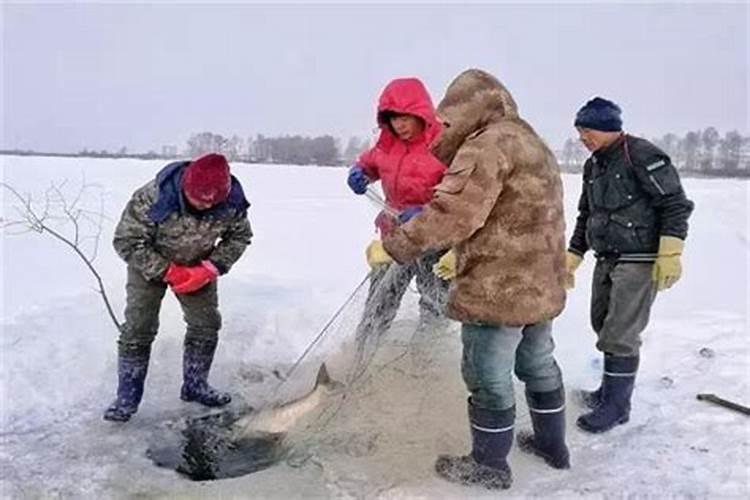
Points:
(406, 96)
(473, 100)
(206, 181)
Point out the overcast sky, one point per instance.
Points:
(102, 75)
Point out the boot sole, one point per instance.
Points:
(116, 418)
(585, 427)
(218, 404)
(555, 464)
(528, 447)
(456, 475)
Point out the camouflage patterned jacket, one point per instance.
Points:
(158, 227)
(499, 206)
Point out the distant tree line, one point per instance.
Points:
(286, 149)
(700, 152)
(322, 150)
(85, 153)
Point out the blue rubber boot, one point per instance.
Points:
(196, 364)
(617, 386)
(131, 374)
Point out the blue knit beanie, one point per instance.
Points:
(599, 114)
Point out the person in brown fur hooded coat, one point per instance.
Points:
(499, 206)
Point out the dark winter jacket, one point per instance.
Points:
(407, 170)
(158, 227)
(631, 196)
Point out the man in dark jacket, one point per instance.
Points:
(633, 214)
(182, 229)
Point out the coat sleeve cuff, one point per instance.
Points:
(674, 234)
(219, 266)
(577, 251)
(400, 247)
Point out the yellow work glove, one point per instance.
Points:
(572, 261)
(445, 268)
(376, 254)
(668, 268)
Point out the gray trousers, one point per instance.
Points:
(491, 353)
(389, 283)
(622, 294)
(200, 310)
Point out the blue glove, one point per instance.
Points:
(357, 180)
(408, 214)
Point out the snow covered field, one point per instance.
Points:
(57, 358)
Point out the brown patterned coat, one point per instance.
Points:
(499, 206)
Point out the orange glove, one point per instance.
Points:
(184, 279)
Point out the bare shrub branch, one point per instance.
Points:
(29, 219)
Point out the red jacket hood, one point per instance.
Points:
(407, 96)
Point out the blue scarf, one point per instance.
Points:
(170, 198)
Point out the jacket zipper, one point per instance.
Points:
(398, 174)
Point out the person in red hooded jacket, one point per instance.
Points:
(403, 163)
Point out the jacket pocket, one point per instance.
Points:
(455, 179)
(663, 177)
(623, 234)
(612, 191)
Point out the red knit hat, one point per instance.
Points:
(207, 179)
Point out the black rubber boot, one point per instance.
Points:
(492, 438)
(590, 399)
(547, 411)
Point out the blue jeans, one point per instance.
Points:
(492, 352)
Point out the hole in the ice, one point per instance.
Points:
(204, 450)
